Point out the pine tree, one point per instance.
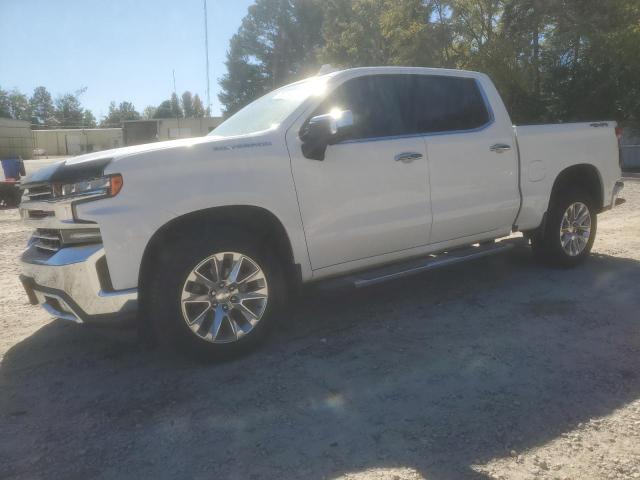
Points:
(163, 110)
(276, 44)
(41, 104)
(176, 109)
(187, 104)
(5, 105)
(88, 119)
(68, 111)
(198, 107)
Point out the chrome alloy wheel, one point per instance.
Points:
(575, 229)
(224, 297)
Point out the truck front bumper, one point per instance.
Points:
(74, 284)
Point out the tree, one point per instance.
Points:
(198, 107)
(164, 110)
(120, 113)
(352, 33)
(14, 105)
(276, 43)
(590, 68)
(546, 57)
(88, 119)
(41, 104)
(187, 104)
(149, 112)
(243, 82)
(19, 105)
(128, 111)
(68, 111)
(5, 105)
(176, 109)
(380, 32)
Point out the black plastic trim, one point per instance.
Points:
(31, 286)
(61, 172)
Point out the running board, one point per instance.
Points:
(431, 262)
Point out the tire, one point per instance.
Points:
(557, 249)
(184, 283)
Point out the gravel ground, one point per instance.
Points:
(494, 369)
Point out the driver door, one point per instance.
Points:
(369, 196)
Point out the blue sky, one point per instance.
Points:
(118, 49)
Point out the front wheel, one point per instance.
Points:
(217, 298)
(569, 232)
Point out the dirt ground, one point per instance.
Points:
(495, 369)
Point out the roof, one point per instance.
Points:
(400, 69)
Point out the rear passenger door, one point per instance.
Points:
(474, 183)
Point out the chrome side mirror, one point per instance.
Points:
(323, 130)
(338, 121)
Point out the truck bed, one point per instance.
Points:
(546, 150)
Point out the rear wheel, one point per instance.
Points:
(569, 231)
(217, 298)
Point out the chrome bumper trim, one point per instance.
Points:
(68, 286)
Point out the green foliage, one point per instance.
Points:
(14, 105)
(41, 104)
(120, 113)
(277, 43)
(164, 110)
(149, 112)
(547, 57)
(176, 109)
(198, 107)
(5, 106)
(378, 32)
(187, 104)
(68, 111)
(89, 120)
(20, 108)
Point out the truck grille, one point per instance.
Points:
(39, 192)
(47, 239)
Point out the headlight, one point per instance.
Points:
(108, 186)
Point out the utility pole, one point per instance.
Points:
(206, 50)
(175, 92)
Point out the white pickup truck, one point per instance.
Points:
(367, 174)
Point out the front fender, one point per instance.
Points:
(162, 185)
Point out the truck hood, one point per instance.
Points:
(92, 165)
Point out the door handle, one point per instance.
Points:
(407, 157)
(500, 147)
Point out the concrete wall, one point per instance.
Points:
(76, 141)
(146, 131)
(171, 128)
(15, 138)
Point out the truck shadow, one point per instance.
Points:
(435, 373)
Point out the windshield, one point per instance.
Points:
(269, 111)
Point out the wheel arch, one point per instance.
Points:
(262, 223)
(583, 175)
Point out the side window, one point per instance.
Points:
(408, 104)
(378, 105)
(448, 104)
